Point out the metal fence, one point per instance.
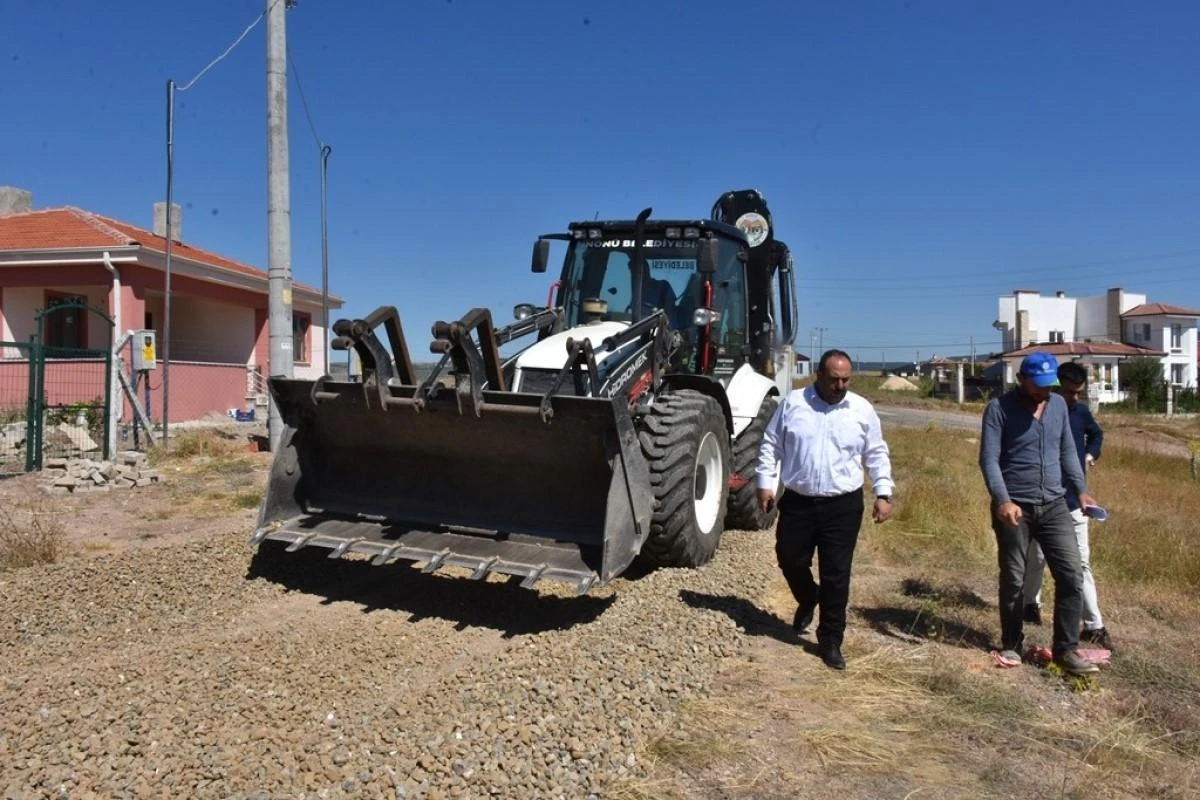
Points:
(17, 410)
(55, 398)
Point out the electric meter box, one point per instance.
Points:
(145, 350)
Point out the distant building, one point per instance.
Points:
(1100, 333)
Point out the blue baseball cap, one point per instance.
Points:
(1041, 368)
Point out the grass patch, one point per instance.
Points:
(30, 534)
(190, 444)
(942, 507)
(700, 738)
(246, 500)
(923, 709)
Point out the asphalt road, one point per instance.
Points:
(906, 417)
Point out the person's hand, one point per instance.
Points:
(1086, 500)
(1010, 513)
(882, 511)
(1090, 460)
(766, 499)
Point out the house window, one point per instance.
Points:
(65, 328)
(300, 327)
(1145, 331)
(1057, 337)
(1177, 337)
(1177, 374)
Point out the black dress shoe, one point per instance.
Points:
(831, 654)
(804, 617)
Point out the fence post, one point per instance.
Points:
(113, 403)
(31, 405)
(37, 365)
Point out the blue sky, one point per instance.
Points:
(920, 158)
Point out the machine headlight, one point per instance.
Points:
(673, 233)
(593, 233)
(578, 233)
(691, 233)
(705, 316)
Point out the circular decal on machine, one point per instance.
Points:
(755, 226)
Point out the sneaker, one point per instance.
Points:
(1010, 658)
(1076, 664)
(1098, 637)
(1033, 613)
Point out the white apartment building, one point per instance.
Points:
(1099, 332)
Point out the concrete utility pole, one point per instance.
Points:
(279, 210)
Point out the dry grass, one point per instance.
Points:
(700, 738)
(206, 452)
(30, 534)
(922, 709)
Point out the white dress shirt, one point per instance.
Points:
(820, 449)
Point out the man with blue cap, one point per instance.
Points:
(1028, 457)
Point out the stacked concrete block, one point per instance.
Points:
(76, 476)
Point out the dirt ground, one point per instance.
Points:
(922, 712)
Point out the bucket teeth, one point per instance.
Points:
(533, 577)
(484, 568)
(435, 562)
(342, 548)
(432, 551)
(299, 542)
(386, 555)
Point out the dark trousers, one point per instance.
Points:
(828, 526)
(1051, 526)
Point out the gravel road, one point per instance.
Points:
(907, 417)
(173, 671)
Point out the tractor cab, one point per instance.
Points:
(604, 266)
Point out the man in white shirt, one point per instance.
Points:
(818, 443)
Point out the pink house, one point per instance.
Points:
(219, 338)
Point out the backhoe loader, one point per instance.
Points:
(626, 427)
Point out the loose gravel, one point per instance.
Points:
(176, 671)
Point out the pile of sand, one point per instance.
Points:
(895, 383)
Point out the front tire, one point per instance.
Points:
(744, 513)
(686, 444)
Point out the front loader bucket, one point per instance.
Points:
(359, 470)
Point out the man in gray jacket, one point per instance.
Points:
(1028, 458)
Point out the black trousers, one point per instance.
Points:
(829, 527)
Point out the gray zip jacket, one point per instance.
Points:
(1026, 460)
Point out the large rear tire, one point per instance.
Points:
(744, 513)
(686, 444)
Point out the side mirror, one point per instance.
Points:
(541, 255)
(706, 264)
(523, 310)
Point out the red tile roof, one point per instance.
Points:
(70, 227)
(1085, 349)
(56, 229)
(1155, 309)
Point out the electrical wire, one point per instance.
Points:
(229, 49)
(304, 102)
